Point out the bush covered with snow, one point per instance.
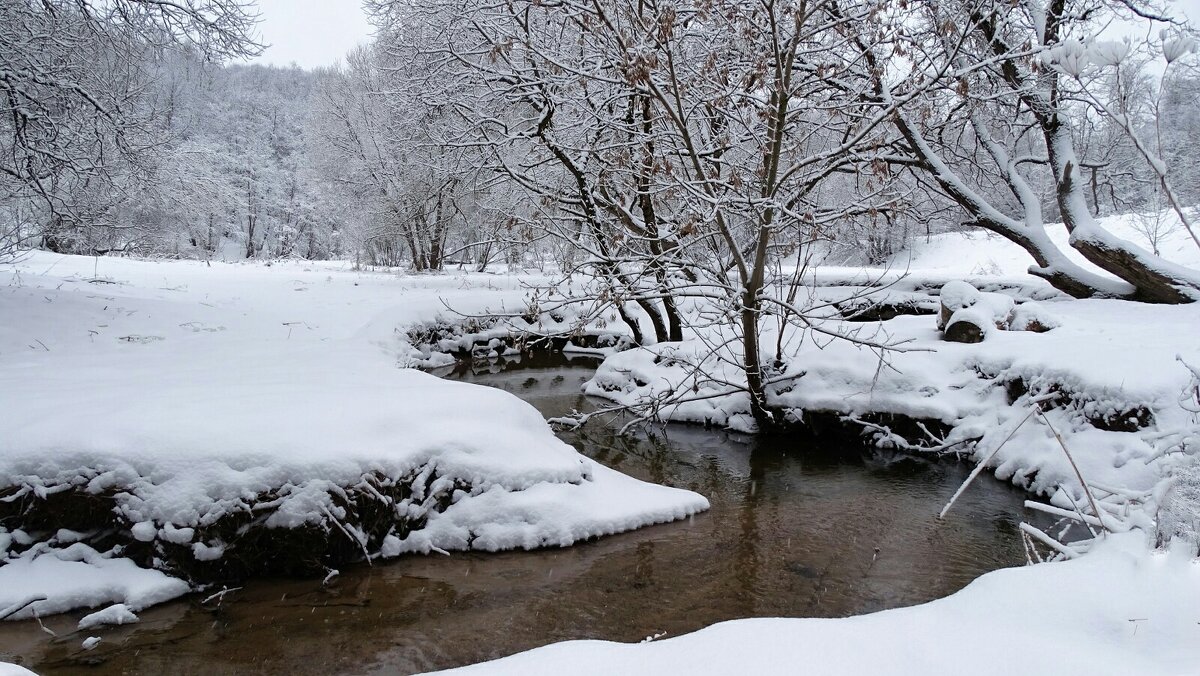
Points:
(1179, 511)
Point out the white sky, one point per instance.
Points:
(315, 33)
(310, 32)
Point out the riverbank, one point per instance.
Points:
(795, 529)
(171, 426)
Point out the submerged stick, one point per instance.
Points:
(1050, 542)
(982, 464)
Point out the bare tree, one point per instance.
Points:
(685, 149)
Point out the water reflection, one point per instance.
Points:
(795, 530)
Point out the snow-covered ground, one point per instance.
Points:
(979, 252)
(1119, 610)
(190, 400)
(185, 405)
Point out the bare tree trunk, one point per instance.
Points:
(251, 218)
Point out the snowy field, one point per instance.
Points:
(193, 402)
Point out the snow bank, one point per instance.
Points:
(188, 441)
(79, 577)
(1120, 610)
(552, 514)
(225, 420)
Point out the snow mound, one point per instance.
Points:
(188, 441)
(1033, 317)
(958, 295)
(118, 613)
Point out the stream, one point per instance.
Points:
(795, 529)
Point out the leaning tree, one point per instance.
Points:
(1007, 84)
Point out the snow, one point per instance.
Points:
(957, 295)
(1121, 609)
(80, 577)
(501, 520)
(187, 393)
(191, 440)
(118, 613)
(195, 391)
(976, 252)
(1027, 315)
(973, 316)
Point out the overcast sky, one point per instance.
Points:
(310, 32)
(319, 32)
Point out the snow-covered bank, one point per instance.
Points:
(1119, 610)
(218, 422)
(1111, 376)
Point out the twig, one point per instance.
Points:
(220, 596)
(1064, 513)
(983, 463)
(362, 545)
(14, 609)
(1047, 540)
(1086, 491)
(46, 629)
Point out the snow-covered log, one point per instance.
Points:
(968, 325)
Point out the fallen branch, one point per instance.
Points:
(18, 607)
(1050, 542)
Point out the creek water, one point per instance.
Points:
(795, 529)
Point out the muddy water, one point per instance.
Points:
(794, 530)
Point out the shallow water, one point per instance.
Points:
(795, 529)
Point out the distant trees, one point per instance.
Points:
(380, 151)
(241, 170)
(668, 148)
(77, 131)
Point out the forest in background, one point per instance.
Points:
(122, 136)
